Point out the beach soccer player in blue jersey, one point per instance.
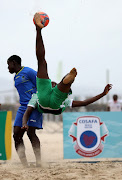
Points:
(25, 83)
(50, 99)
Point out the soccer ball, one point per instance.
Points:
(44, 17)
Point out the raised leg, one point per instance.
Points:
(67, 81)
(40, 49)
(65, 84)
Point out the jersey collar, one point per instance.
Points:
(20, 71)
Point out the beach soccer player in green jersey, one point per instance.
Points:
(49, 99)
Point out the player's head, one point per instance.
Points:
(13, 62)
(115, 97)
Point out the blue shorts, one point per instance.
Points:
(35, 119)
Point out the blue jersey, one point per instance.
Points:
(25, 83)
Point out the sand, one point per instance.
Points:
(54, 167)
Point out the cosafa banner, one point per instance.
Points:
(92, 134)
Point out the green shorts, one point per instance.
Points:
(48, 96)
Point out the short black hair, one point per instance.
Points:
(15, 58)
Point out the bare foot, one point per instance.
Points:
(37, 19)
(70, 77)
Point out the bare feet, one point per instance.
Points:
(37, 20)
(70, 77)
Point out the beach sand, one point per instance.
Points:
(54, 167)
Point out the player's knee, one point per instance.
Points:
(16, 137)
(30, 134)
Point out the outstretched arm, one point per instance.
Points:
(93, 99)
(26, 117)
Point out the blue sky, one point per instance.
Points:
(82, 33)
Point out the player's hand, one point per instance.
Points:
(107, 89)
(25, 126)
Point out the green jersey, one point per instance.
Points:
(34, 102)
